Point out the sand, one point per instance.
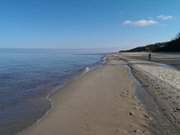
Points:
(100, 102)
(162, 82)
(168, 75)
(166, 58)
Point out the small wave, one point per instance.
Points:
(104, 59)
(87, 69)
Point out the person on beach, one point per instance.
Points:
(148, 49)
(149, 56)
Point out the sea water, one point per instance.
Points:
(27, 76)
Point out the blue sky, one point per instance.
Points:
(87, 23)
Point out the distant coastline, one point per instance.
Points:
(169, 46)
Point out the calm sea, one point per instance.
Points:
(27, 76)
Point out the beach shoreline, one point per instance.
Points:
(75, 108)
(57, 90)
(30, 76)
(64, 104)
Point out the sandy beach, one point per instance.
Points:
(99, 102)
(124, 96)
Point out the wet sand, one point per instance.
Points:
(100, 102)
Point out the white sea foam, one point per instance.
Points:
(87, 69)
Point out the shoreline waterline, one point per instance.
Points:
(38, 77)
(66, 98)
(84, 94)
(58, 89)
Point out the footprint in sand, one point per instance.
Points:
(121, 132)
(124, 93)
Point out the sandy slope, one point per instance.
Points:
(98, 103)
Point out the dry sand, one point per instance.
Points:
(100, 102)
(162, 82)
(168, 75)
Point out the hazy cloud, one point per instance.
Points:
(165, 17)
(141, 23)
(148, 22)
